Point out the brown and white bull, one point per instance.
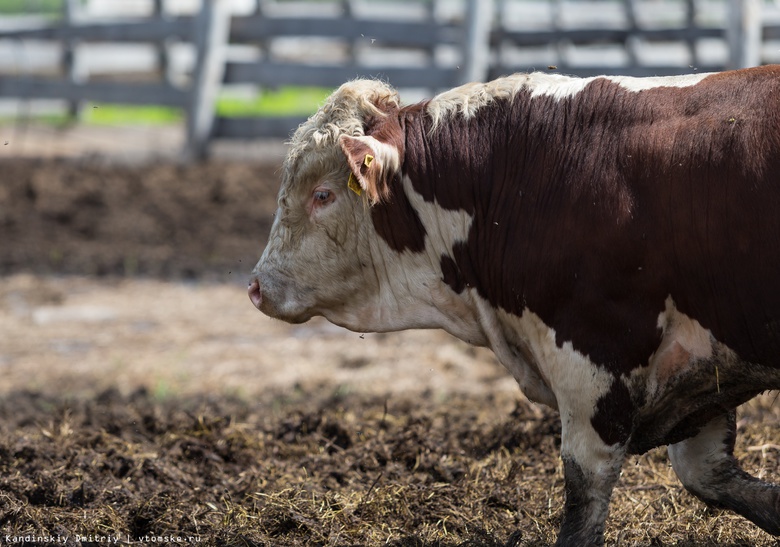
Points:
(615, 241)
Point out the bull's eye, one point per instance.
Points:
(322, 196)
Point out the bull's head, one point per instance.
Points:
(321, 256)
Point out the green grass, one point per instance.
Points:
(283, 101)
(286, 101)
(114, 114)
(23, 7)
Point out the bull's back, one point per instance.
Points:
(707, 187)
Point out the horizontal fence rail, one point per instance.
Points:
(143, 30)
(105, 92)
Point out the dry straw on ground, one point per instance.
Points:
(315, 470)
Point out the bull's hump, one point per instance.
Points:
(468, 99)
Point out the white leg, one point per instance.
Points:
(591, 469)
(707, 468)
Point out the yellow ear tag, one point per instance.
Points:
(352, 182)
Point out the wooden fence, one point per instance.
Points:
(631, 37)
(352, 43)
(429, 45)
(205, 30)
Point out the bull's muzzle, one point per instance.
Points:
(255, 293)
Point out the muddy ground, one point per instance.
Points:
(145, 400)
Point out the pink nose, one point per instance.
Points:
(255, 293)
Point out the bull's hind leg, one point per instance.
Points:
(706, 466)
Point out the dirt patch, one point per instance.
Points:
(143, 397)
(83, 335)
(162, 219)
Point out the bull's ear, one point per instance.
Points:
(372, 164)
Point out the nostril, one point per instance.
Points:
(255, 293)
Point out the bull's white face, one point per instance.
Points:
(325, 255)
(318, 253)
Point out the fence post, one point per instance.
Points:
(743, 32)
(210, 35)
(690, 24)
(161, 47)
(69, 63)
(479, 20)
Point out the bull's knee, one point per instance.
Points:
(707, 468)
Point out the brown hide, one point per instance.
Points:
(590, 210)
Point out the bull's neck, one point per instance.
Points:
(454, 164)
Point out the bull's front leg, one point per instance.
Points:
(591, 468)
(593, 447)
(597, 418)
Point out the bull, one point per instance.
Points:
(614, 240)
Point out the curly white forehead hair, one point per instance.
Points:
(345, 112)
